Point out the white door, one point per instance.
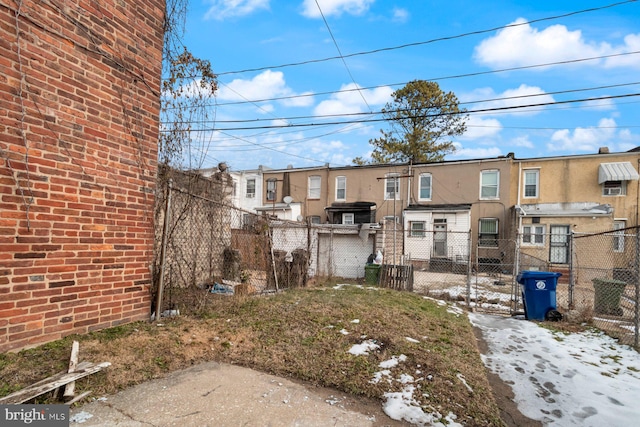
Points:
(440, 240)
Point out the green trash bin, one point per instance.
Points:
(608, 293)
(372, 273)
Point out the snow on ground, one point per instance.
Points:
(578, 379)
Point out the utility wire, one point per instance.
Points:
(484, 110)
(341, 56)
(455, 76)
(506, 98)
(439, 39)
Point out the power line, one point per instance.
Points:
(506, 98)
(439, 39)
(340, 53)
(484, 110)
(455, 76)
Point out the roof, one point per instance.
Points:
(440, 207)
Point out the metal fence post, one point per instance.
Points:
(636, 337)
(163, 249)
(571, 269)
(469, 269)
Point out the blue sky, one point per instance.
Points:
(268, 112)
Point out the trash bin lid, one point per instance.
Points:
(536, 275)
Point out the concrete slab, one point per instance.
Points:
(213, 394)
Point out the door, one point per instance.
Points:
(440, 238)
(343, 255)
(559, 244)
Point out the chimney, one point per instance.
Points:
(603, 150)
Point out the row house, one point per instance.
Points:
(452, 210)
(554, 198)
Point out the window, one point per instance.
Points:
(425, 186)
(315, 219)
(489, 184)
(251, 189)
(392, 187)
(248, 221)
(314, 187)
(614, 188)
(271, 189)
(417, 228)
(618, 236)
(531, 182)
(488, 235)
(347, 218)
(533, 235)
(341, 188)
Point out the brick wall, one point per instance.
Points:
(79, 90)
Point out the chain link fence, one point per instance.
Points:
(603, 281)
(207, 248)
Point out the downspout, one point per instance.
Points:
(515, 294)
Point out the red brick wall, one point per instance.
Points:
(79, 97)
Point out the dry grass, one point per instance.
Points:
(294, 334)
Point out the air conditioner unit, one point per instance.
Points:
(613, 191)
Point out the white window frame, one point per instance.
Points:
(418, 228)
(533, 235)
(535, 184)
(315, 219)
(250, 194)
(348, 218)
(389, 181)
(485, 187)
(611, 188)
(315, 187)
(341, 186)
(618, 236)
(422, 187)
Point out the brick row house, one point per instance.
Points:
(79, 127)
(491, 200)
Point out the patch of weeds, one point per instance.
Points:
(160, 362)
(633, 369)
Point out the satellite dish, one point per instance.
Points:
(300, 218)
(287, 199)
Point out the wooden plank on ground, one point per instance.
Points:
(70, 389)
(58, 380)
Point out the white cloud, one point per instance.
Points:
(400, 15)
(478, 128)
(631, 44)
(583, 139)
(266, 85)
(334, 7)
(510, 98)
(475, 152)
(524, 45)
(349, 100)
(521, 141)
(223, 9)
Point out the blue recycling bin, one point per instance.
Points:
(539, 294)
